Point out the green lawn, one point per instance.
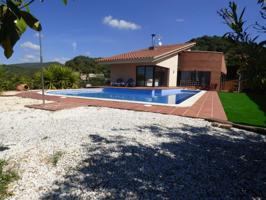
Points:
(249, 109)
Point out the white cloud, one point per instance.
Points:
(87, 53)
(61, 59)
(120, 23)
(180, 20)
(74, 46)
(29, 58)
(30, 45)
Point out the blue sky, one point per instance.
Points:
(106, 27)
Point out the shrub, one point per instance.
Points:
(58, 77)
(6, 177)
(97, 81)
(56, 157)
(2, 78)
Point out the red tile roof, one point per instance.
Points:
(147, 53)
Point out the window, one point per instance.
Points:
(160, 76)
(151, 76)
(194, 78)
(140, 79)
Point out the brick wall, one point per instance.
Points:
(204, 61)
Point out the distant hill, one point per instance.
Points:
(212, 43)
(32, 65)
(27, 69)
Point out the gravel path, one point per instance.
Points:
(117, 154)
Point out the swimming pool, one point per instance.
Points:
(147, 96)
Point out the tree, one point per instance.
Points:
(58, 77)
(236, 22)
(86, 65)
(238, 34)
(258, 26)
(251, 54)
(15, 17)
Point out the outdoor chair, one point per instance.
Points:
(119, 82)
(130, 82)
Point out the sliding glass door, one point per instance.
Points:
(151, 76)
(194, 78)
(140, 76)
(160, 76)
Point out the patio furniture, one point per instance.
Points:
(149, 82)
(130, 82)
(119, 82)
(156, 82)
(213, 86)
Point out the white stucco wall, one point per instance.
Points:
(128, 70)
(124, 71)
(172, 64)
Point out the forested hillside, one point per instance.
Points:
(29, 73)
(26, 69)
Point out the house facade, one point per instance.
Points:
(169, 66)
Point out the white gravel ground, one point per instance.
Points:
(119, 154)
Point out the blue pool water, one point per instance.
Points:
(169, 96)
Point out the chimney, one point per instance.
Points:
(152, 42)
(155, 41)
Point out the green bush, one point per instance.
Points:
(56, 157)
(6, 177)
(9, 81)
(57, 77)
(2, 79)
(97, 81)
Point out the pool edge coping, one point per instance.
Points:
(187, 103)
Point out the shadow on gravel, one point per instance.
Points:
(3, 148)
(189, 164)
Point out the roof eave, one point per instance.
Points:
(128, 61)
(150, 59)
(174, 52)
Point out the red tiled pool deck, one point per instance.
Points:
(207, 107)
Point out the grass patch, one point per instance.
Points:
(56, 157)
(6, 177)
(242, 108)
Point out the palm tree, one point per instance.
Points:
(59, 77)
